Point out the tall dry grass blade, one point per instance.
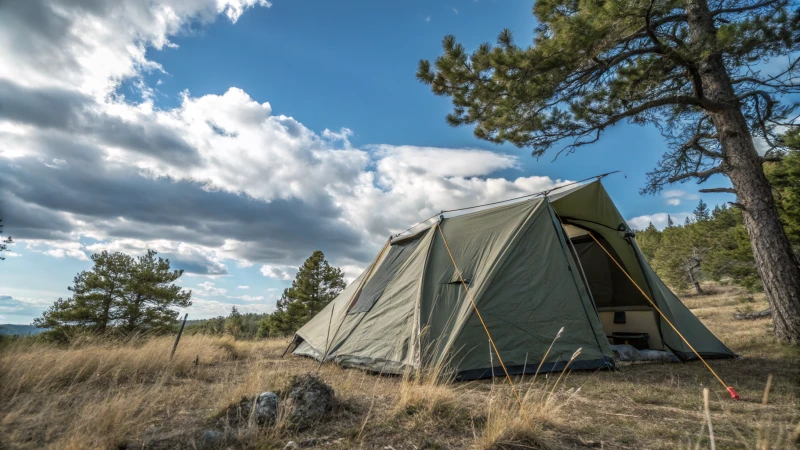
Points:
(708, 418)
(765, 398)
(699, 436)
(544, 358)
(491, 360)
(762, 431)
(371, 404)
(555, 385)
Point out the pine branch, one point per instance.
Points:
(718, 190)
(759, 5)
(702, 175)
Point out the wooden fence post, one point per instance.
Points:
(178, 338)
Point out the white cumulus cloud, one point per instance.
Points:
(219, 179)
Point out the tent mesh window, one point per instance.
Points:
(372, 291)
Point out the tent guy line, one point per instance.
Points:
(730, 389)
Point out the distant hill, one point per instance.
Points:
(10, 329)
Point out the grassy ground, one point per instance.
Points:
(109, 395)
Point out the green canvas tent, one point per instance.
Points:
(531, 267)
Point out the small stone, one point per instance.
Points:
(211, 439)
(260, 410)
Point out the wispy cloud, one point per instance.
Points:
(279, 273)
(209, 288)
(675, 197)
(247, 298)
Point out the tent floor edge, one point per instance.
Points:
(530, 369)
(689, 356)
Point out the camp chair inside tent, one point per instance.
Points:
(521, 270)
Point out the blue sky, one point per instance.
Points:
(170, 143)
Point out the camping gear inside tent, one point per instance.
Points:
(518, 272)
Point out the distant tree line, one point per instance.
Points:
(711, 246)
(714, 245)
(236, 324)
(316, 284)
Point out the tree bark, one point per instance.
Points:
(776, 263)
(694, 281)
(698, 289)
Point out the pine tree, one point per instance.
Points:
(679, 258)
(150, 294)
(785, 179)
(4, 242)
(234, 324)
(263, 328)
(687, 221)
(670, 223)
(648, 241)
(119, 291)
(731, 256)
(701, 213)
(316, 284)
(97, 296)
(692, 69)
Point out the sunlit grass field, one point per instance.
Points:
(108, 394)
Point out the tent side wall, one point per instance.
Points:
(379, 333)
(533, 291)
(475, 240)
(385, 338)
(316, 335)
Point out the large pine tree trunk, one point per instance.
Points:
(777, 265)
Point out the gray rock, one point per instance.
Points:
(266, 410)
(261, 410)
(211, 439)
(309, 400)
(291, 445)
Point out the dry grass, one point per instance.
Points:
(106, 394)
